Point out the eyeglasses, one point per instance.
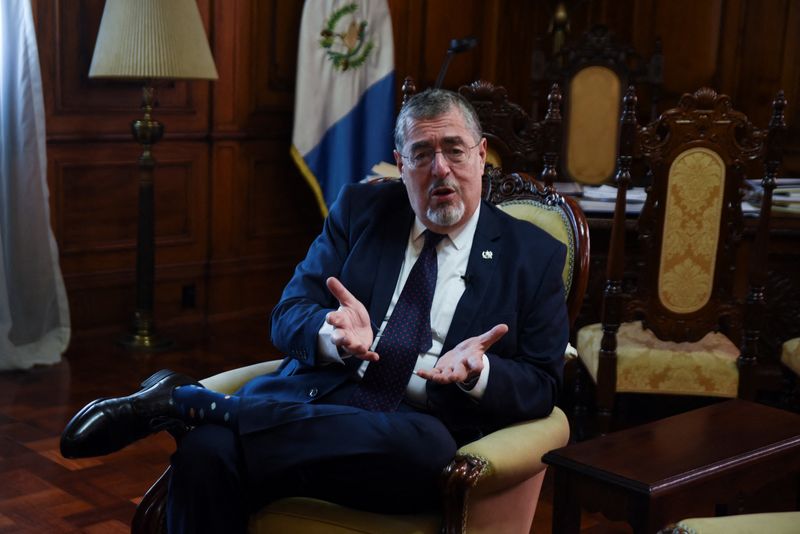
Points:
(456, 154)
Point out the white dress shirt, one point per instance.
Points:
(452, 255)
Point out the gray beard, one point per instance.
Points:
(446, 215)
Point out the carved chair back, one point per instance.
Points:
(691, 225)
(594, 73)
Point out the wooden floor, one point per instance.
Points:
(42, 492)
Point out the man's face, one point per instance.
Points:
(445, 191)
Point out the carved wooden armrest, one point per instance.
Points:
(497, 462)
(513, 454)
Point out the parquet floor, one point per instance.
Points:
(41, 492)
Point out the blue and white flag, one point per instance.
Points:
(344, 100)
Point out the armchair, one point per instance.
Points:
(774, 523)
(683, 329)
(493, 484)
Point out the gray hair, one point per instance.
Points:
(430, 104)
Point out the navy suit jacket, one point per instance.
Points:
(514, 272)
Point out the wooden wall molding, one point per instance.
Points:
(233, 213)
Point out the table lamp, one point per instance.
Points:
(150, 40)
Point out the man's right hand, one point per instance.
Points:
(352, 330)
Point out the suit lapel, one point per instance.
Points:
(487, 251)
(394, 239)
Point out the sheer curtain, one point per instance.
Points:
(34, 316)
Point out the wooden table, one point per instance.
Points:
(677, 467)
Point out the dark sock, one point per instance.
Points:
(198, 405)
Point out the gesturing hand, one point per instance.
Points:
(465, 360)
(352, 331)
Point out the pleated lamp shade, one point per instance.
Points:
(149, 39)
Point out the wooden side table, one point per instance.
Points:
(677, 467)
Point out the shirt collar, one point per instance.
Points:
(460, 238)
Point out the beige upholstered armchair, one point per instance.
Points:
(773, 523)
(681, 328)
(493, 484)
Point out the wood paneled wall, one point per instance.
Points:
(233, 214)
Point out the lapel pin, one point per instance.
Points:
(486, 254)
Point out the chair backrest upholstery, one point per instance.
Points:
(691, 225)
(594, 73)
(526, 198)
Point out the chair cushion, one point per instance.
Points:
(790, 354)
(300, 515)
(552, 220)
(774, 523)
(646, 364)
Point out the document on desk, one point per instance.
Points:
(785, 197)
(601, 199)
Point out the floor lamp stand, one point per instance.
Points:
(147, 132)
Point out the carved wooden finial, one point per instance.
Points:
(554, 103)
(627, 127)
(551, 144)
(776, 137)
(778, 106)
(408, 89)
(629, 104)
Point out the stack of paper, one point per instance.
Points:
(608, 193)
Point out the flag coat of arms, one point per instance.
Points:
(344, 98)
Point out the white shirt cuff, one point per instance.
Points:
(327, 352)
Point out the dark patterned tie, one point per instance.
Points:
(407, 334)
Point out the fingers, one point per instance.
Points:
(341, 293)
(455, 372)
(428, 374)
(335, 319)
(370, 355)
(443, 376)
(487, 339)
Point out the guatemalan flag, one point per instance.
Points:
(344, 100)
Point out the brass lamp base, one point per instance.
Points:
(143, 336)
(147, 132)
(145, 342)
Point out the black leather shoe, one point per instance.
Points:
(107, 425)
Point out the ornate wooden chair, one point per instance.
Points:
(593, 73)
(516, 142)
(682, 328)
(493, 484)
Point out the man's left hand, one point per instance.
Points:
(465, 360)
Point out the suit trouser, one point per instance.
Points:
(382, 462)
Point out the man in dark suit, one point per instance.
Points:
(493, 329)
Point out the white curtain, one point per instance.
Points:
(34, 316)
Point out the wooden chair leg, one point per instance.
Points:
(151, 514)
(580, 410)
(605, 410)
